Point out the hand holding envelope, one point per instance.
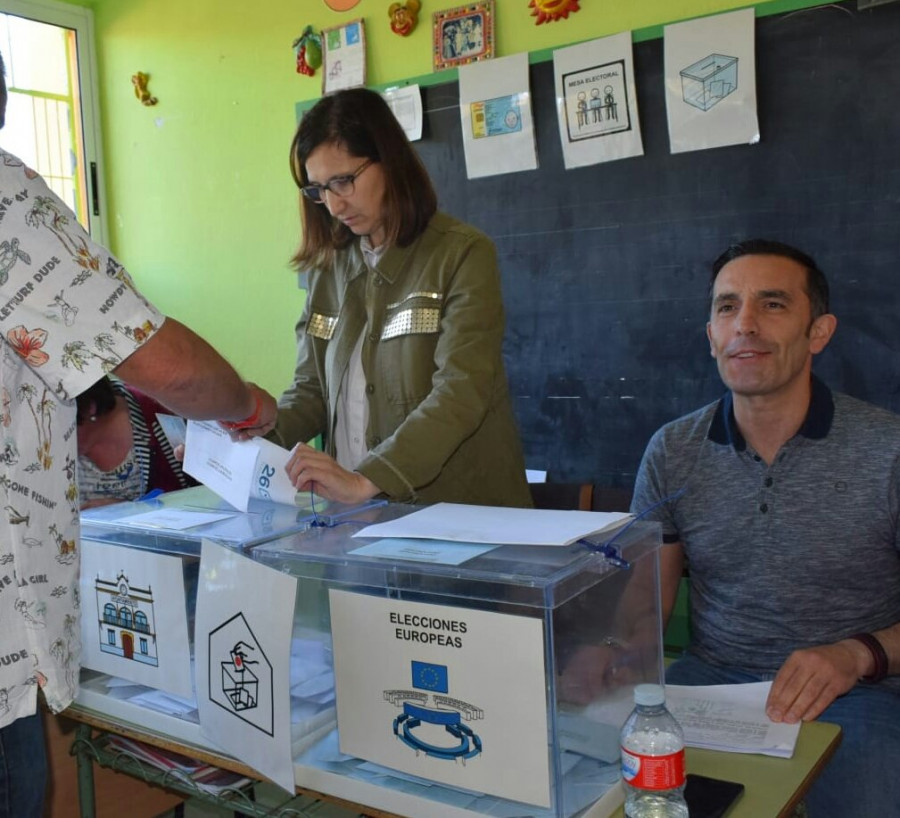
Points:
(312, 470)
(237, 470)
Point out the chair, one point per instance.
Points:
(610, 498)
(563, 496)
(677, 635)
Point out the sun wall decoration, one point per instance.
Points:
(547, 11)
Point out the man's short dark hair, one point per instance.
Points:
(816, 283)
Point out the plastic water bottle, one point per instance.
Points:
(653, 758)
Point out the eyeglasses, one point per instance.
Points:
(339, 185)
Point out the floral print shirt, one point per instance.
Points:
(69, 313)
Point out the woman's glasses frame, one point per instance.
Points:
(338, 185)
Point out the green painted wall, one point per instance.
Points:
(202, 209)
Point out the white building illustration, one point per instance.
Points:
(127, 625)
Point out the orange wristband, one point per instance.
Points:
(247, 423)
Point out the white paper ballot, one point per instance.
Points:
(444, 553)
(174, 428)
(731, 718)
(237, 470)
(486, 524)
(172, 519)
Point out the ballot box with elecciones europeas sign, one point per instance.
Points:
(474, 679)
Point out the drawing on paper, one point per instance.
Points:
(496, 117)
(707, 82)
(596, 101)
(127, 624)
(426, 728)
(240, 674)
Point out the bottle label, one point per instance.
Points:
(653, 772)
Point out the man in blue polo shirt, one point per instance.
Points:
(790, 523)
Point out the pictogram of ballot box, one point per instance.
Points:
(708, 81)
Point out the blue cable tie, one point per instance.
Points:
(608, 549)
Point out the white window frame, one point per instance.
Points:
(81, 20)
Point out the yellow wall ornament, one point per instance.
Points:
(139, 81)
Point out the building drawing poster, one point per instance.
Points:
(596, 102)
(134, 618)
(242, 642)
(424, 689)
(495, 108)
(710, 76)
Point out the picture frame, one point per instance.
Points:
(343, 56)
(463, 35)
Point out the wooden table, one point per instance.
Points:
(774, 786)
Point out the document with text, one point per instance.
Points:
(731, 718)
(455, 522)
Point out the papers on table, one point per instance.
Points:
(172, 519)
(436, 551)
(174, 428)
(731, 718)
(500, 526)
(203, 776)
(237, 470)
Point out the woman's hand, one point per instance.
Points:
(312, 470)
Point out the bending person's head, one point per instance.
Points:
(336, 138)
(97, 400)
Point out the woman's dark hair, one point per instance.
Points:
(816, 283)
(362, 123)
(101, 395)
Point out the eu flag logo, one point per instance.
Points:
(426, 676)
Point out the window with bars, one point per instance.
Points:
(43, 123)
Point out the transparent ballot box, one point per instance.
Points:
(178, 521)
(139, 579)
(707, 82)
(492, 683)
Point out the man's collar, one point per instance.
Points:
(816, 425)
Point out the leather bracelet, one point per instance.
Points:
(879, 656)
(253, 420)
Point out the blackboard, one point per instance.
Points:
(605, 268)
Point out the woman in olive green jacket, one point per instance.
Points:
(399, 347)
